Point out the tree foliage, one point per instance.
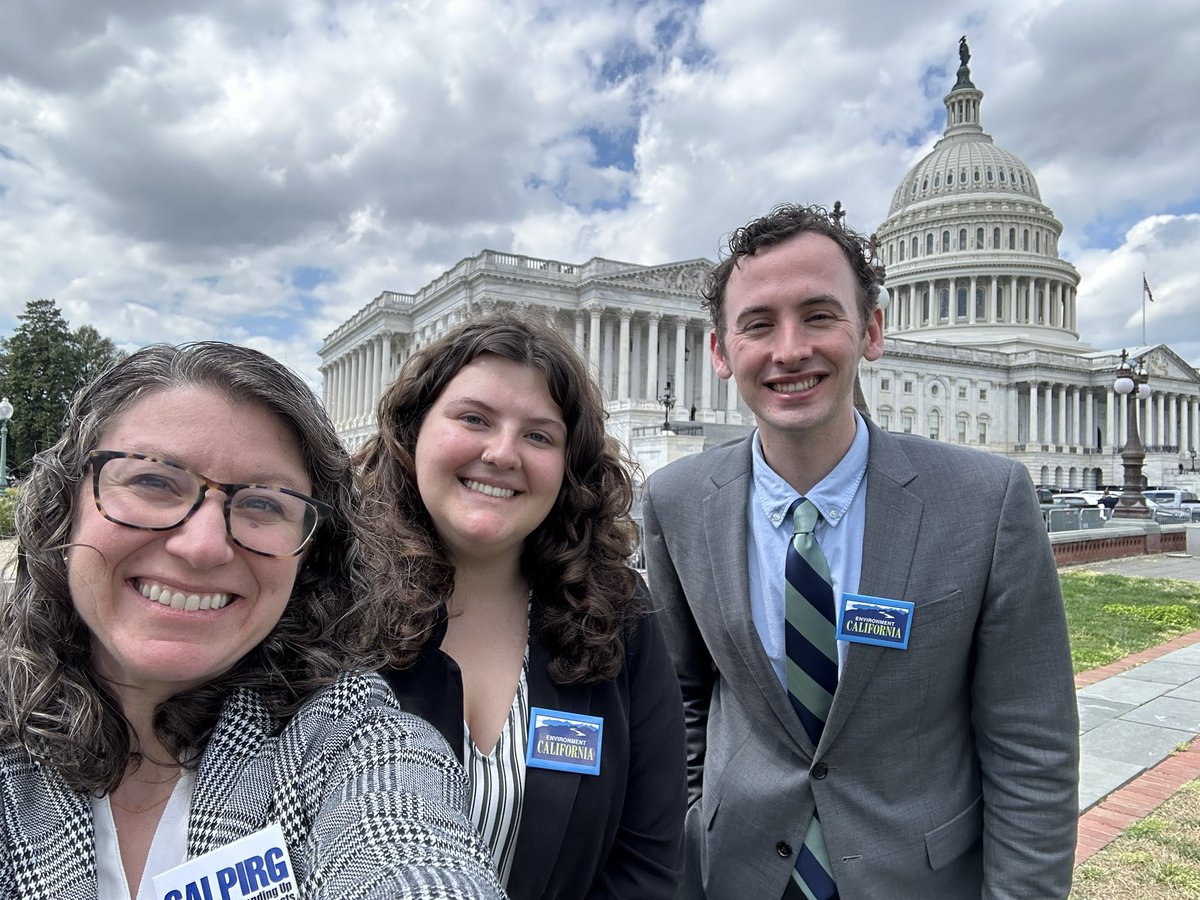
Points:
(42, 364)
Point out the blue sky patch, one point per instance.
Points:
(305, 278)
(614, 147)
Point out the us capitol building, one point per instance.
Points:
(982, 346)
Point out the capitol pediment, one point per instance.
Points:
(677, 278)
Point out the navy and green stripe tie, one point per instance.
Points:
(811, 646)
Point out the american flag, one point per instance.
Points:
(1146, 287)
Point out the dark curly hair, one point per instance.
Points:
(51, 699)
(575, 560)
(779, 225)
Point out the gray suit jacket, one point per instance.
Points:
(947, 770)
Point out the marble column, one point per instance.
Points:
(652, 357)
(386, 378)
(1034, 420)
(623, 355)
(680, 379)
(594, 342)
(706, 376)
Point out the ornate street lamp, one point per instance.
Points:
(667, 399)
(6, 413)
(1134, 384)
(1192, 453)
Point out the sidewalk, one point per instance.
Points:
(1133, 715)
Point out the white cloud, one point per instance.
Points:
(165, 168)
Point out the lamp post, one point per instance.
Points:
(1132, 383)
(667, 399)
(6, 412)
(1192, 453)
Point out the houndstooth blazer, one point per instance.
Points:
(370, 801)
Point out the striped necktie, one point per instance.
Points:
(811, 674)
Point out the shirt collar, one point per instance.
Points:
(831, 495)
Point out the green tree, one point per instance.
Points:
(93, 353)
(42, 364)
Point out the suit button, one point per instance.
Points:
(820, 770)
(783, 848)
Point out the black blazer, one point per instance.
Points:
(613, 835)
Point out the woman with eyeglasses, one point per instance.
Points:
(529, 642)
(188, 594)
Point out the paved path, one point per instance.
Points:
(1134, 715)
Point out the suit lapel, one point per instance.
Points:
(893, 517)
(725, 530)
(549, 795)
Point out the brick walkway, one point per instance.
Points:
(1137, 799)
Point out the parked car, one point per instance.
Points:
(1079, 500)
(1174, 498)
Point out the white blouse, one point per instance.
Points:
(496, 781)
(168, 849)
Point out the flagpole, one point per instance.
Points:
(1144, 283)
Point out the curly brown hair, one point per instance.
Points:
(782, 223)
(51, 700)
(575, 560)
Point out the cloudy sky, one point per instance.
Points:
(257, 170)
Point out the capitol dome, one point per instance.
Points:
(970, 249)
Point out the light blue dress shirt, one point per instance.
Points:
(841, 498)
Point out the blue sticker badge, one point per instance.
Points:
(875, 620)
(567, 742)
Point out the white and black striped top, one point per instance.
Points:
(496, 781)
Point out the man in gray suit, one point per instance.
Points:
(944, 765)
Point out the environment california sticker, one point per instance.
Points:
(564, 741)
(875, 620)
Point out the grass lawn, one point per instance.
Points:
(1158, 857)
(1111, 616)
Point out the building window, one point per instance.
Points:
(924, 184)
(1001, 179)
(995, 238)
(977, 176)
(1037, 242)
(908, 386)
(962, 392)
(983, 432)
(891, 253)
(915, 246)
(929, 244)
(983, 394)
(946, 241)
(885, 384)
(990, 178)
(978, 238)
(902, 251)
(885, 420)
(906, 423)
(962, 431)
(943, 305)
(1012, 239)
(949, 178)
(962, 239)
(937, 181)
(935, 424)
(933, 390)
(1025, 240)
(960, 305)
(980, 304)
(924, 306)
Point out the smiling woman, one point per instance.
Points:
(503, 509)
(172, 652)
